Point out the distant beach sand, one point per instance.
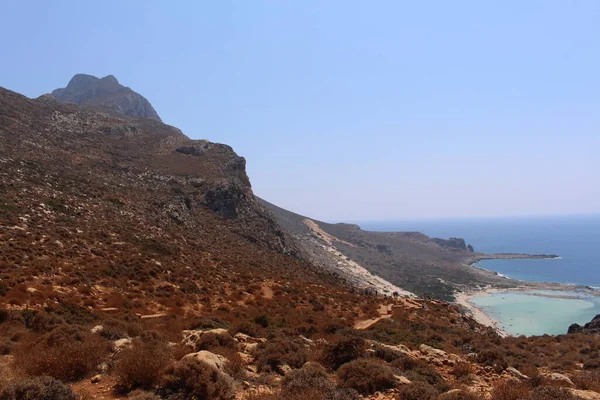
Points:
(465, 299)
(478, 314)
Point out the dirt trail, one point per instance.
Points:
(385, 311)
(267, 290)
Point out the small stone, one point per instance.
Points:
(284, 370)
(402, 380)
(96, 378)
(97, 329)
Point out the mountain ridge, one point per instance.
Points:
(106, 92)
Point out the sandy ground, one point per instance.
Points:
(385, 311)
(361, 275)
(480, 316)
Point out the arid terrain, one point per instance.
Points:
(409, 260)
(137, 263)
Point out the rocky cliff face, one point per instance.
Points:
(591, 327)
(107, 92)
(154, 174)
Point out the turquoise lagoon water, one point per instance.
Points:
(524, 313)
(576, 239)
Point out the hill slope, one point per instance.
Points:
(132, 257)
(409, 260)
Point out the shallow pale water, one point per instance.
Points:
(574, 238)
(523, 313)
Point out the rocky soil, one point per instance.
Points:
(137, 263)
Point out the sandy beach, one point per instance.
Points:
(465, 299)
(478, 314)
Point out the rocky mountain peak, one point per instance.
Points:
(106, 92)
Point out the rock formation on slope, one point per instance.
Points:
(107, 92)
(591, 327)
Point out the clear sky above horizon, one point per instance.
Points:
(349, 110)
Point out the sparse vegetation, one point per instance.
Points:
(38, 388)
(366, 376)
(191, 378)
(140, 366)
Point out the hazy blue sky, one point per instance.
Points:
(349, 110)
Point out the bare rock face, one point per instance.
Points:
(591, 327)
(108, 92)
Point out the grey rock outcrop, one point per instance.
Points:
(107, 92)
(591, 327)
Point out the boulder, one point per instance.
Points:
(515, 373)
(120, 344)
(402, 380)
(438, 357)
(97, 329)
(243, 338)
(190, 337)
(557, 379)
(284, 370)
(584, 394)
(214, 360)
(399, 348)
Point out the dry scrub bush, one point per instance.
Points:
(419, 371)
(366, 376)
(510, 390)
(209, 341)
(312, 382)
(342, 351)
(191, 378)
(141, 365)
(278, 352)
(142, 395)
(235, 366)
(492, 358)
(460, 395)
(461, 369)
(65, 353)
(387, 354)
(587, 380)
(417, 391)
(38, 388)
(551, 393)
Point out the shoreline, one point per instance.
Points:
(464, 299)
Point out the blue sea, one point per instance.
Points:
(576, 239)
